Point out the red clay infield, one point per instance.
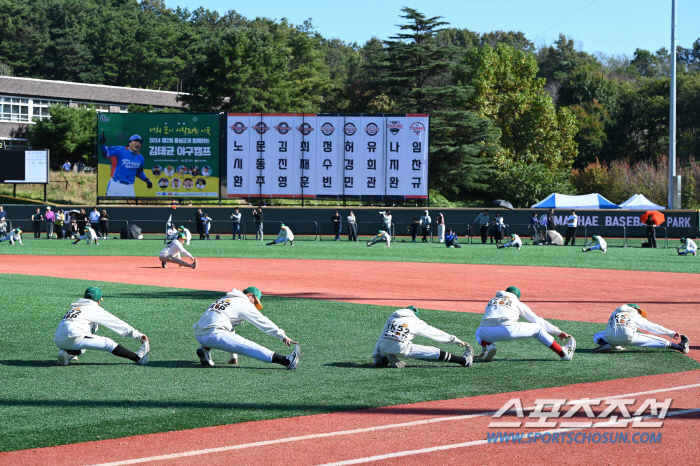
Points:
(444, 435)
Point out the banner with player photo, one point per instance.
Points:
(158, 155)
(309, 155)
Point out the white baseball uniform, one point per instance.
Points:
(90, 236)
(400, 329)
(622, 330)
(216, 328)
(172, 234)
(516, 241)
(12, 237)
(598, 244)
(284, 235)
(172, 253)
(75, 330)
(690, 247)
(381, 236)
(500, 322)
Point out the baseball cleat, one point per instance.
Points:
(569, 350)
(233, 360)
(73, 358)
(63, 358)
(490, 352)
(395, 362)
(164, 265)
(583, 249)
(367, 243)
(468, 355)
(293, 358)
(194, 264)
(619, 348)
(606, 348)
(685, 344)
(204, 357)
(142, 353)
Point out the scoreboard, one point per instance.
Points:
(24, 166)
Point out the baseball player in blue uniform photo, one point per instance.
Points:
(129, 165)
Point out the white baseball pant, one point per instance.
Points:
(86, 342)
(596, 247)
(232, 343)
(514, 332)
(177, 260)
(638, 339)
(284, 240)
(411, 351)
(117, 189)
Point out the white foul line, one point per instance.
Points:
(372, 429)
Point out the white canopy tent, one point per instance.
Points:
(585, 202)
(640, 202)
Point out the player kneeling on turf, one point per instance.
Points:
(171, 253)
(514, 241)
(688, 246)
(14, 235)
(622, 330)
(215, 329)
(75, 333)
(381, 236)
(500, 323)
(90, 236)
(598, 243)
(399, 330)
(283, 236)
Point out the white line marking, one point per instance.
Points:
(370, 429)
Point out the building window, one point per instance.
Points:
(40, 108)
(14, 109)
(99, 108)
(15, 144)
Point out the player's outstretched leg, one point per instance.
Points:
(569, 349)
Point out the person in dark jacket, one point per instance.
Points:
(337, 224)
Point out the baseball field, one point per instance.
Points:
(333, 297)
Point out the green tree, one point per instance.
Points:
(558, 61)
(68, 134)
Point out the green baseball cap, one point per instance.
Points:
(682, 240)
(181, 228)
(181, 235)
(415, 311)
(595, 237)
(86, 228)
(255, 292)
(515, 290)
(93, 293)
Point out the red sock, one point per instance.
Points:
(557, 349)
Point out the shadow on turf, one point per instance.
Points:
(118, 361)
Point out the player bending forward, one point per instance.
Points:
(500, 323)
(90, 236)
(687, 247)
(514, 241)
(396, 340)
(171, 253)
(622, 330)
(14, 235)
(215, 329)
(76, 332)
(283, 236)
(381, 236)
(598, 243)
(173, 232)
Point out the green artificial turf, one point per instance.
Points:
(617, 258)
(103, 396)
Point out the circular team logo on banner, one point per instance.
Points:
(394, 127)
(305, 129)
(261, 128)
(372, 129)
(417, 127)
(283, 128)
(327, 129)
(238, 127)
(349, 129)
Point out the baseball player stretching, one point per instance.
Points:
(129, 165)
(500, 323)
(14, 235)
(380, 236)
(171, 253)
(76, 332)
(396, 340)
(283, 236)
(514, 241)
(688, 246)
(90, 236)
(215, 329)
(622, 330)
(598, 243)
(174, 232)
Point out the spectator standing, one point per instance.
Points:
(386, 217)
(337, 224)
(550, 220)
(81, 167)
(3, 214)
(83, 220)
(483, 221)
(497, 226)
(95, 219)
(104, 225)
(534, 224)
(651, 231)
(200, 226)
(236, 223)
(60, 218)
(415, 223)
(352, 227)
(425, 222)
(37, 218)
(441, 227)
(66, 166)
(3, 227)
(50, 218)
(258, 217)
(571, 224)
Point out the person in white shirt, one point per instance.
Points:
(95, 219)
(500, 323)
(352, 227)
(397, 336)
(76, 332)
(90, 236)
(386, 220)
(440, 220)
(380, 236)
(425, 223)
(688, 246)
(172, 233)
(514, 241)
(12, 236)
(571, 224)
(598, 244)
(283, 236)
(173, 251)
(236, 223)
(622, 330)
(216, 330)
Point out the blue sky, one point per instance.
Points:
(613, 27)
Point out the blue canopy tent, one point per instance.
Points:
(584, 202)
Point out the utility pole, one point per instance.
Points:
(674, 181)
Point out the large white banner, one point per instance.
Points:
(309, 155)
